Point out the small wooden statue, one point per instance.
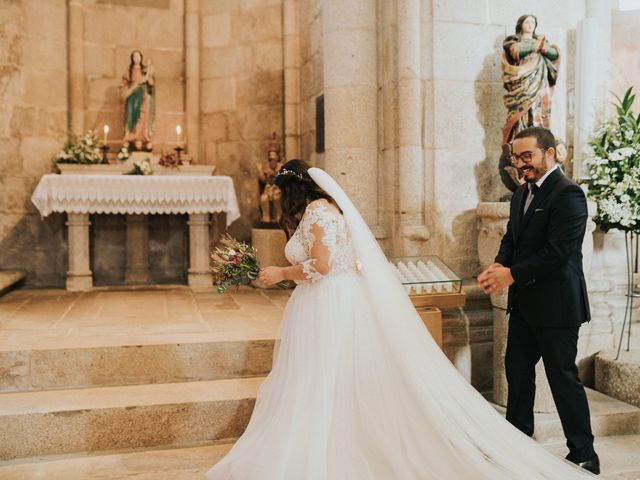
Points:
(270, 208)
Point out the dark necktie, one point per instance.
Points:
(533, 189)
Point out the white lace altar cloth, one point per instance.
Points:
(136, 194)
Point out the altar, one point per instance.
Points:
(136, 196)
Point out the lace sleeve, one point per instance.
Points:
(319, 234)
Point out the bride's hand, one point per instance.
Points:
(271, 275)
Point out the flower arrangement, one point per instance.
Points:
(140, 167)
(614, 168)
(84, 150)
(169, 160)
(123, 155)
(235, 263)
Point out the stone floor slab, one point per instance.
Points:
(620, 458)
(49, 319)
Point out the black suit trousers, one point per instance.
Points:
(558, 349)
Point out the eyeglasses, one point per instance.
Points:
(526, 157)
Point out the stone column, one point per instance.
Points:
(199, 272)
(75, 48)
(79, 277)
(593, 60)
(350, 100)
(291, 59)
(410, 153)
(192, 81)
(137, 271)
(586, 96)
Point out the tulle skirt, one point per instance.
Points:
(339, 404)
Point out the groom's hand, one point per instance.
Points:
(495, 279)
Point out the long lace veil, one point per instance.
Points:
(458, 413)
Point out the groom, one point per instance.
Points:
(540, 261)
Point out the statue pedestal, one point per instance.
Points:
(269, 244)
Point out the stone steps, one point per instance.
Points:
(120, 384)
(114, 418)
(188, 463)
(619, 459)
(190, 413)
(609, 417)
(119, 365)
(620, 378)
(619, 456)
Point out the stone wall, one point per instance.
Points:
(440, 116)
(625, 51)
(112, 30)
(241, 92)
(311, 77)
(237, 107)
(468, 112)
(33, 122)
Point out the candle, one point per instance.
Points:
(178, 133)
(106, 133)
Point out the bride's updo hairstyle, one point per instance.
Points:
(298, 190)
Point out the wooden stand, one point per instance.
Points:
(430, 308)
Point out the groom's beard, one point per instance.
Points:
(532, 174)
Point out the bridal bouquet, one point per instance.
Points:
(235, 263)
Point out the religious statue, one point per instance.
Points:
(270, 208)
(529, 73)
(138, 93)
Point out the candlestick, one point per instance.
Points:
(105, 129)
(179, 150)
(178, 134)
(105, 149)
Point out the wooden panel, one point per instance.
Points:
(432, 318)
(440, 300)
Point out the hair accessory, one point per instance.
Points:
(285, 171)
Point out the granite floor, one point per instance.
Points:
(47, 319)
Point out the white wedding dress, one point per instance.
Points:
(359, 390)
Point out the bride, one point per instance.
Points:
(359, 390)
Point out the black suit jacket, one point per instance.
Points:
(543, 248)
